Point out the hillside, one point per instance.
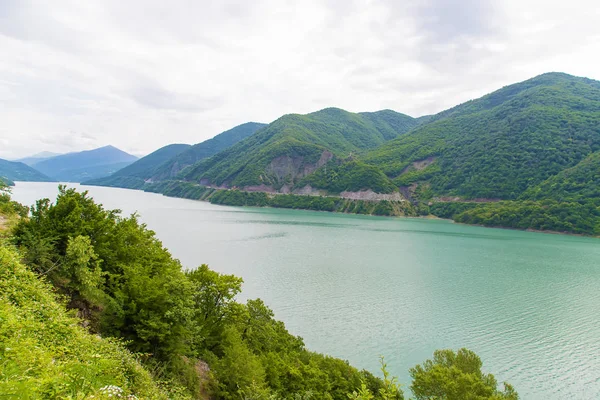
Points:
(85, 165)
(134, 175)
(580, 183)
(18, 171)
(294, 146)
(208, 148)
(500, 145)
(46, 353)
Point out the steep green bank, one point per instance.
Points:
(45, 353)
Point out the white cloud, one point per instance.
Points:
(141, 74)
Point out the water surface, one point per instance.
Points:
(357, 287)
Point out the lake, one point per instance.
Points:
(357, 287)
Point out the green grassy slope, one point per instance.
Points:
(205, 149)
(18, 171)
(501, 144)
(294, 145)
(44, 353)
(134, 175)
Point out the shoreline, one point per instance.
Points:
(429, 216)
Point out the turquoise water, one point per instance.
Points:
(357, 287)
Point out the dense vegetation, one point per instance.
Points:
(134, 175)
(580, 183)
(44, 353)
(85, 165)
(504, 143)
(208, 148)
(348, 175)
(456, 376)
(18, 171)
(287, 149)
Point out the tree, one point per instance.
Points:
(456, 376)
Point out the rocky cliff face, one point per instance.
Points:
(287, 170)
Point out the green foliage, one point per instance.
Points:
(504, 143)
(456, 376)
(415, 175)
(351, 175)
(450, 209)
(112, 270)
(389, 390)
(170, 168)
(10, 208)
(547, 215)
(44, 353)
(580, 183)
(280, 152)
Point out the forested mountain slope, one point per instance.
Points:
(134, 175)
(578, 183)
(200, 151)
(296, 145)
(500, 145)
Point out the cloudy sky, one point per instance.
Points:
(139, 74)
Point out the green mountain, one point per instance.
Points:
(205, 149)
(134, 176)
(580, 183)
(18, 171)
(500, 145)
(279, 156)
(85, 165)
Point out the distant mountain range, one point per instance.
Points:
(36, 158)
(526, 156)
(84, 165)
(135, 175)
(168, 161)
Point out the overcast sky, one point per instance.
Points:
(140, 74)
